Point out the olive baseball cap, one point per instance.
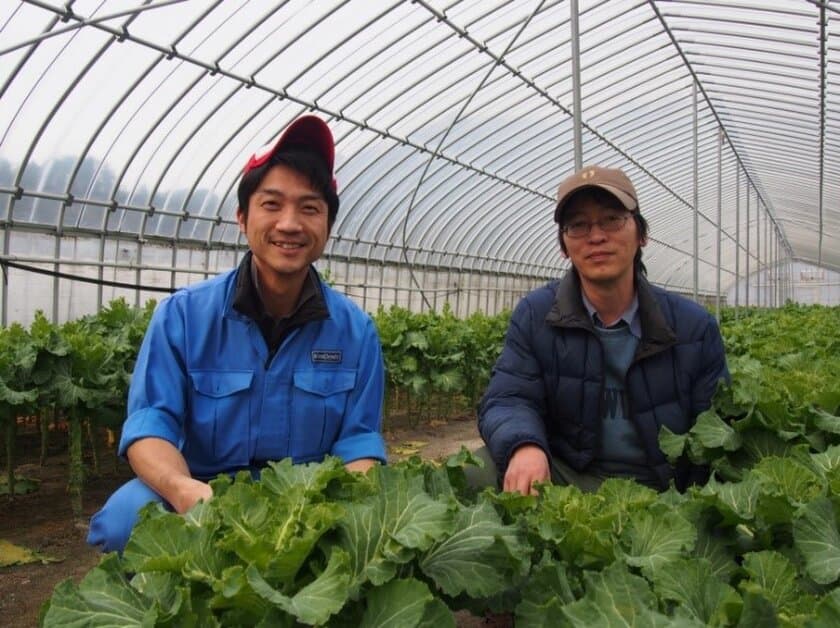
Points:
(613, 180)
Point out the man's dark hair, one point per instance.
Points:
(606, 199)
(301, 160)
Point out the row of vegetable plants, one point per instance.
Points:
(437, 356)
(408, 544)
(77, 374)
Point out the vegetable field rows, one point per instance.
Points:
(759, 545)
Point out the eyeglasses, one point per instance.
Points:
(610, 224)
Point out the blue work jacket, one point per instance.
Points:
(204, 381)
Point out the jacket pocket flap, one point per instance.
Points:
(325, 382)
(221, 383)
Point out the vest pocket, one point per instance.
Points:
(319, 398)
(218, 427)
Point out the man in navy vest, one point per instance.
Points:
(594, 364)
(260, 363)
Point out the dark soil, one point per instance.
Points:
(43, 520)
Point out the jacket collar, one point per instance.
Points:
(568, 311)
(243, 301)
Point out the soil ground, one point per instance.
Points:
(43, 520)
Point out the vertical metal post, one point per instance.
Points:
(784, 270)
(56, 268)
(719, 218)
(823, 73)
(347, 282)
(575, 40)
(780, 256)
(771, 271)
(4, 291)
(137, 275)
(775, 257)
(459, 288)
(791, 279)
(777, 274)
(758, 296)
(747, 270)
(4, 311)
(765, 259)
(696, 274)
(768, 260)
(786, 279)
(435, 284)
(781, 270)
(737, 237)
(101, 271)
(448, 283)
(398, 274)
(487, 285)
(783, 274)
(365, 282)
(381, 281)
(174, 262)
(777, 247)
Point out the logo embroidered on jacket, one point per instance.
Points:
(331, 357)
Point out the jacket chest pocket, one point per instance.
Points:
(218, 431)
(319, 398)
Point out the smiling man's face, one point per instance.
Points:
(601, 257)
(286, 225)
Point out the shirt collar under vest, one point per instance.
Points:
(568, 310)
(311, 305)
(629, 317)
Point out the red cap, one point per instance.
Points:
(309, 131)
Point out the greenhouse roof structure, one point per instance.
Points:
(455, 120)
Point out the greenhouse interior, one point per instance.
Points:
(171, 458)
(125, 126)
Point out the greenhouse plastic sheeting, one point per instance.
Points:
(124, 126)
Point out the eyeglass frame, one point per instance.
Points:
(624, 216)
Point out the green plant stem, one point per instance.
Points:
(76, 478)
(91, 434)
(45, 434)
(117, 433)
(10, 469)
(387, 406)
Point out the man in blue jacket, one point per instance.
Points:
(596, 363)
(260, 363)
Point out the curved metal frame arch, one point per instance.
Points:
(775, 124)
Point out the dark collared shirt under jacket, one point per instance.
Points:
(246, 300)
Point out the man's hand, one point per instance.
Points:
(361, 465)
(527, 465)
(188, 492)
(162, 467)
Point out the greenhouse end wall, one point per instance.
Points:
(809, 285)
